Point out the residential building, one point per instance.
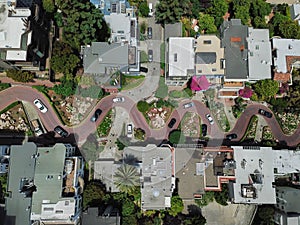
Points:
(295, 12)
(180, 60)
(247, 54)
(209, 58)
(104, 170)
(156, 166)
(288, 208)
(103, 60)
(286, 56)
(44, 185)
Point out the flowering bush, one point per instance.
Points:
(246, 92)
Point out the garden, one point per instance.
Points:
(190, 125)
(251, 129)
(105, 126)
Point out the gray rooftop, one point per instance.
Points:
(102, 58)
(288, 197)
(295, 12)
(233, 39)
(254, 175)
(48, 176)
(157, 182)
(21, 166)
(173, 30)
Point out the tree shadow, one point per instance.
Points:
(194, 210)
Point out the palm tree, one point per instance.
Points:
(126, 178)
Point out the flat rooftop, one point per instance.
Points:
(181, 56)
(286, 161)
(21, 167)
(254, 175)
(284, 48)
(234, 42)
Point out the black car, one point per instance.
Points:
(149, 32)
(96, 115)
(150, 55)
(265, 113)
(144, 69)
(62, 132)
(172, 123)
(204, 129)
(231, 136)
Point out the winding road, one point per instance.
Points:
(83, 130)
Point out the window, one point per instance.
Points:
(175, 57)
(47, 209)
(59, 211)
(213, 69)
(257, 47)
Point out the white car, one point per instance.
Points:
(129, 130)
(119, 99)
(188, 105)
(40, 105)
(210, 119)
(150, 9)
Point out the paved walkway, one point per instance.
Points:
(5, 79)
(230, 117)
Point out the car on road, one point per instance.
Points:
(204, 130)
(150, 9)
(118, 99)
(96, 115)
(172, 123)
(40, 105)
(150, 55)
(144, 69)
(61, 131)
(231, 136)
(129, 130)
(149, 32)
(188, 105)
(209, 118)
(265, 113)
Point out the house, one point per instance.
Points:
(247, 54)
(104, 170)
(295, 12)
(286, 56)
(209, 58)
(44, 185)
(156, 166)
(180, 60)
(288, 208)
(101, 59)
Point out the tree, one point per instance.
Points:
(143, 27)
(266, 88)
(20, 76)
(143, 106)
(289, 29)
(241, 10)
(206, 199)
(206, 23)
(49, 6)
(120, 144)
(266, 213)
(246, 92)
(259, 8)
(64, 59)
(171, 11)
(176, 205)
(221, 197)
(275, 22)
(195, 219)
(144, 9)
(126, 178)
(177, 137)
(66, 88)
(93, 194)
(129, 220)
(139, 134)
(128, 208)
(218, 9)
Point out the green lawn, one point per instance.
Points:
(104, 127)
(131, 82)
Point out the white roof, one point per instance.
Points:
(257, 160)
(286, 161)
(18, 55)
(284, 47)
(181, 56)
(259, 54)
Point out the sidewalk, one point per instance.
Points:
(5, 79)
(228, 112)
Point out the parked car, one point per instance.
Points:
(188, 105)
(150, 55)
(129, 130)
(150, 9)
(144, 69)
(204, 130)
(172, 123)
(118, 99)
(265, 113)
(149, 32)
(231, 136)
(40, 105)
(61, 131)
(209, 118)
(96, 115)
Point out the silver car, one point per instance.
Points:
(118, 99)
(209, 118)
(188, 105)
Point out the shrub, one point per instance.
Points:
(143, 106)
(20, 76)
